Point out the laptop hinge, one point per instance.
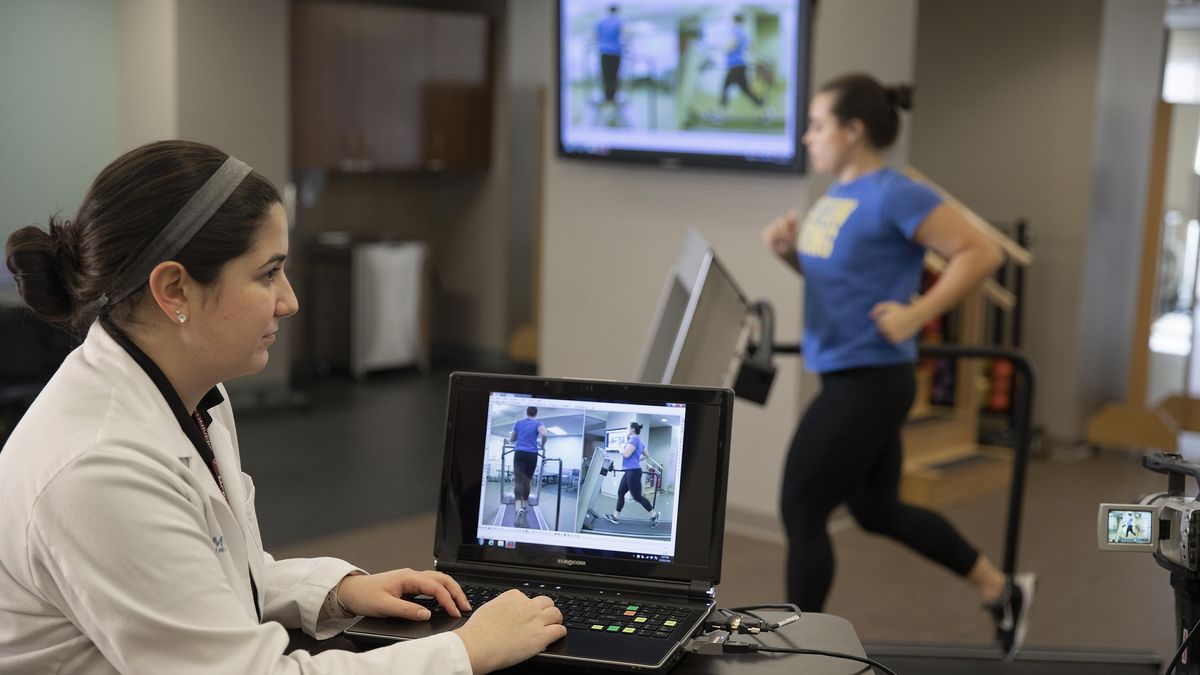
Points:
(700, 588)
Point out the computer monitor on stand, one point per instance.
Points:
(704, 329)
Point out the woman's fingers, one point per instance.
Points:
(433, 587)
(456, 591)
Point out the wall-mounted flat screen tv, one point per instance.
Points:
(684, 83)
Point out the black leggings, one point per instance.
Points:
(847, 449)
(610, 69)
(524, 464)
(737, 75)
(631, 482)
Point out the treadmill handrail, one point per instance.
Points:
(557, 486)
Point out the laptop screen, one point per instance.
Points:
(605, 477)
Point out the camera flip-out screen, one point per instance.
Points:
(1127, 527)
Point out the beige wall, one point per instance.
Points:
(1003, 120)
(233, 80)
(214, 72)
(148, 58)
(612, 231)
(1130, 65)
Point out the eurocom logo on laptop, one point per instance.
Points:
(575, 563)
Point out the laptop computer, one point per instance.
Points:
(633, 591)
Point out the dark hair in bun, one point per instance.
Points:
(45, 268)
(900, 96)
(63, 272)
(858, 96)
(637, 428)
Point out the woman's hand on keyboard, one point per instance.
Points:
(379, 594)
(510, 629)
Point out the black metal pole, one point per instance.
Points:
(1024, 378)
(557, 492)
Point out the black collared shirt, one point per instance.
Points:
(210, 400)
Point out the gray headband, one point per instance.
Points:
(171, 240)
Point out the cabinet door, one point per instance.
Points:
(461, 48)
(457, 97)
(393, 48)
(458, 127)
(325, 79)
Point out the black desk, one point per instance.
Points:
(812, 631)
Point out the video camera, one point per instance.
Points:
(1168, 525)
(1164, 523)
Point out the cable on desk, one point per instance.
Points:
(788, 606)
(734, 622)
(751, 647)
(718, 643)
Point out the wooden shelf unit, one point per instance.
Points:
(944, 464)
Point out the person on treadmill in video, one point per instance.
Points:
(737, 58)
(530, 436)
(631, 480)
(608, 44)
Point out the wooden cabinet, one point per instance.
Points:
(381, 87)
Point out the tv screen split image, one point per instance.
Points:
(714, 83)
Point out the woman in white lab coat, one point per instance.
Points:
(128, 537)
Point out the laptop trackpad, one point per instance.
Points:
(400, 629)
(440, 622)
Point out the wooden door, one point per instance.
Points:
(457, 96)
(394, 55)
(325, 82)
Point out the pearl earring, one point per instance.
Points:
(181, 316)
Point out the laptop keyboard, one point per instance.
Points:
(621, 615)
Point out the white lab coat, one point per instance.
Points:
(118, 552)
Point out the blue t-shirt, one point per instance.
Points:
(527, 434)
(631, 462)
(608, 35)
(857, 250)
(737, 56)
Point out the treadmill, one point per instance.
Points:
(533, 518)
